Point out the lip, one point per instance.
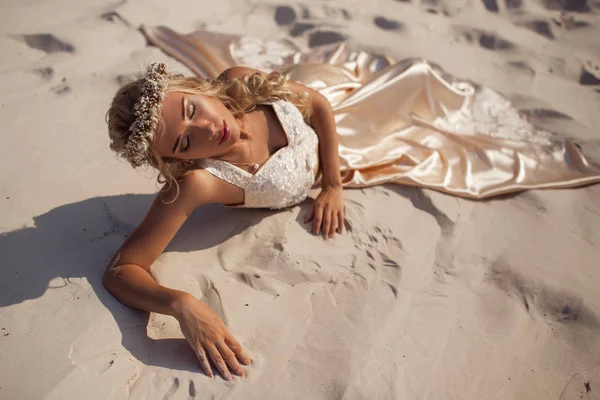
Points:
(225, 133)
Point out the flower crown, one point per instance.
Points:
(146, 111)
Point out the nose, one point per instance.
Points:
(206, 129)
(212, 129)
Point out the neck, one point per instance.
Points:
(240, 152)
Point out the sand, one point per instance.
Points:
(427, 296)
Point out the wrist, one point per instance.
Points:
(331, 180)
(179, 302)
(331, 185)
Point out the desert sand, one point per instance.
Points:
(427, 296)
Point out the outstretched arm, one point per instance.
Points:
(127, 276)
(327, 212)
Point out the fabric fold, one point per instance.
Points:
(405, 121)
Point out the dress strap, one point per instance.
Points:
(225, 171)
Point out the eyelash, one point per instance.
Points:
(187, 145)
(187, 137)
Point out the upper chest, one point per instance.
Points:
(268, 134)
(286, 175)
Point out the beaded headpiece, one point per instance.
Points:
(146, 111)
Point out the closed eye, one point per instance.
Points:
(185, 140)
(185, 143)
(193, 105)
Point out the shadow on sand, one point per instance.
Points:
(77, 240)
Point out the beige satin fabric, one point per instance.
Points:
(405, 122)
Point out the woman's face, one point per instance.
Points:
(195, 126)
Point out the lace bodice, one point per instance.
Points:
(285, 178)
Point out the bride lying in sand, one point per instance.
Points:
(199, 121)
(248, 139)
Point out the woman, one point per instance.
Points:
(255, 140)
(200, 120)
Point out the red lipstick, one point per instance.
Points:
(226, 134)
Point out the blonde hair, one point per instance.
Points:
(239, 96)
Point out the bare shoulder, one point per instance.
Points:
(199, 187)
(168, 212)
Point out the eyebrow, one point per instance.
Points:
(183, 118)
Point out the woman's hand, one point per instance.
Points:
(209, 338)
(327, 212)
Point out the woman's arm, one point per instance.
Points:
(327, 211)
(328, 208)
(127, 276)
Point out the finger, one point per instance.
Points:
(326, 223)
(333, 225)
(310, 215)
(201, 354)
(237, 350)
(230, 359)
(216, 358)
(318, 219)
(341, 221)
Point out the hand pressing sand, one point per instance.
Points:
(210, 338)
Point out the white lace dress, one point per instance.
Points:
(286, 177)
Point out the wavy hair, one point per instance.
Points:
(239, 96)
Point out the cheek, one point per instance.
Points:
(164, 140)
(221, 112)
(198, 147)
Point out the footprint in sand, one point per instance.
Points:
(317, 23)
(567, 5)
(541, 27)
(491, 5)
(285, 15)
(487, 40)
(492, 42)
(513, 5)
(48, 43)
(323, 37)
(388, 24)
